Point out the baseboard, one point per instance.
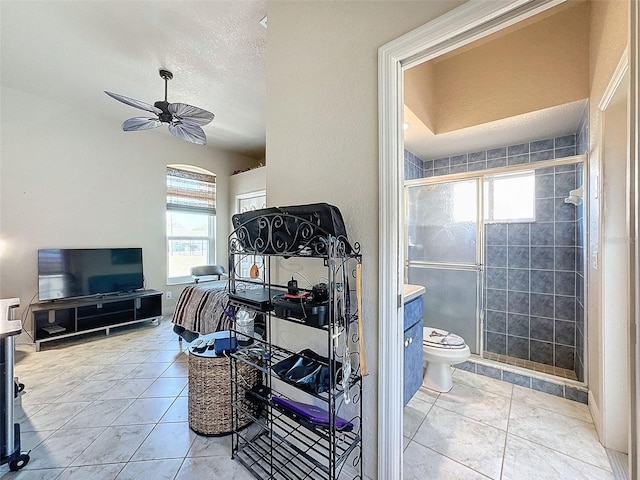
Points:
(595, 415)
(619, 464)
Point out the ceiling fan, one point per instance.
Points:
(185, 121)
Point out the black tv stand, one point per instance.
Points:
(66, 318)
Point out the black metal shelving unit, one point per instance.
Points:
(280, 444)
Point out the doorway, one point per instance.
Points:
(460, 27)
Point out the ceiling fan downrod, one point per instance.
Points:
(166, 75)
(165, 116)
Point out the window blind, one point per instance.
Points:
(191, 191)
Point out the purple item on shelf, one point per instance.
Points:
(311, 413)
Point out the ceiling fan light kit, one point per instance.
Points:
(184, 121)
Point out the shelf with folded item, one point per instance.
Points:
(265, 357)
(285, 438)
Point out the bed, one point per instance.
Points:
(202, 308)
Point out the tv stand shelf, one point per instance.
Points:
(65, 318)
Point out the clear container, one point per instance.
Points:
(244, 327)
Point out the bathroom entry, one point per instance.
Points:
(501, 255)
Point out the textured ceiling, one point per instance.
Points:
(70, 52)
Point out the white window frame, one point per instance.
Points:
(211, 234)
(489, 194)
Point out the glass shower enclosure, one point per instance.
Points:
(445, 255)
(501, 255)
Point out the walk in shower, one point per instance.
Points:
(497, 238)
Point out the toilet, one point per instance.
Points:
(441, 350)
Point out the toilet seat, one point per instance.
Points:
(441, 349)
(441, 339)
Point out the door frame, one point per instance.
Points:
(465, 24)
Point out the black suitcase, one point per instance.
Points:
(251, 233)
(284, 229)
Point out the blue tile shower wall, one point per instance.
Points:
(540, 150)
(531, 277)
(412, 166)
(534, 305)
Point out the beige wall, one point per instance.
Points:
(246, 182)
(70, 179)
(540, 65)
(419, 93)
(607, 41)
(322, 128)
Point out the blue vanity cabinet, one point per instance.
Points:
(413, 324)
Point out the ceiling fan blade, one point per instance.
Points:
(188, 132)
(140, 123)
(134, 103)
(189, 114)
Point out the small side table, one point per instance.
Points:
(210, 391)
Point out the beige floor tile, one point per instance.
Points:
(42, 474)
(178, 411)
(524, 459)
(53, 416)
(165, 387)
(30, 440)
(412, 418)
(562, 433)
(49, 392)
(166, 440)
(149, 370)
(128, 388)
(213, 467)
(61, 448)
(481, 405)
(471, 443)
(87, 391)
(210, 446)
(119, 371)
(144, 410)
(153, 469)
(421, 463)
(553, 403)
(488, 384)
(177, 369)
(99, 413)
(93, 472)
(423, 396)
(114, 445)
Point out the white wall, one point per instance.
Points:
(322, 129)
(250, 181)
(608, 38)
(70, 179)
(615, 276)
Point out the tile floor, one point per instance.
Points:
(115, 407)
(104, 408)
(489, 429)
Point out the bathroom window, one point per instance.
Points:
(510, 197)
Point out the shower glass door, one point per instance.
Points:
(444, 254)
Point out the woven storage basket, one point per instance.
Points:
(210, 394)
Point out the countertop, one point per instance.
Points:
(412, 291)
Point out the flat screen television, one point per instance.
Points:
(81, 272)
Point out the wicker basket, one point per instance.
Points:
(210, 394)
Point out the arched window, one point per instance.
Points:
(191, 215)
